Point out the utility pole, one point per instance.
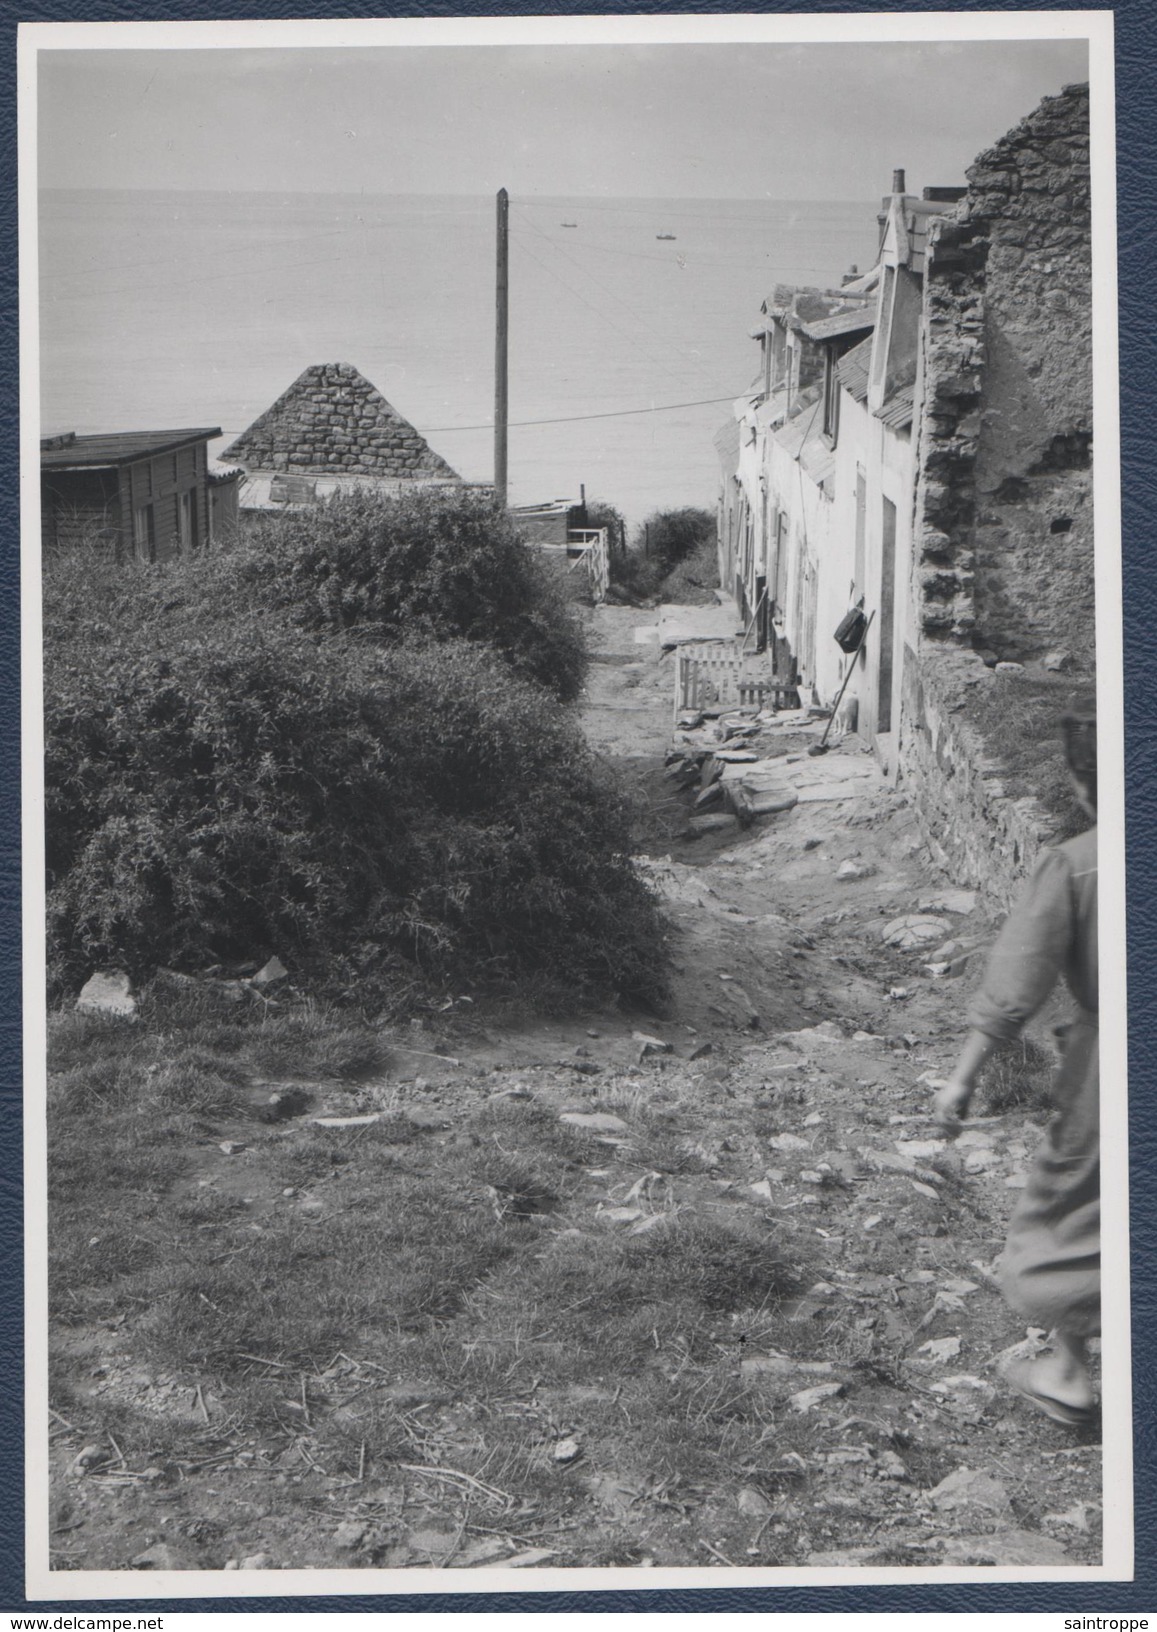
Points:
(502, 296)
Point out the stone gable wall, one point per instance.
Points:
(332, 421)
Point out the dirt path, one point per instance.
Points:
(781, 1089)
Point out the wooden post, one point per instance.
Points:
(502, 293)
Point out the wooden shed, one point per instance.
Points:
(145, 493)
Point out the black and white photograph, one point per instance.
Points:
(568, 604)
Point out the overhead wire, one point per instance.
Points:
(574, 419)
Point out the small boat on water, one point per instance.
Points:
(569, 223)
(665, 237)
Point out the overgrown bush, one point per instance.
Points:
(672, 555)
(672, 535)
(441, 563)
(380, 815)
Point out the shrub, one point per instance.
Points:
(669, 540)
(379, 815)
(672, 535)
(442, 564)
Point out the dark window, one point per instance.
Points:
(831, 395)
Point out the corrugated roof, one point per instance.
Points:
(830, 328)
(852, 369)
(267, 490)
(727, 443)
(898, 410)
(118, 447)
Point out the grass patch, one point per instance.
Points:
(1019, 1077)
(416, 1299)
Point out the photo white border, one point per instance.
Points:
(1096, 27)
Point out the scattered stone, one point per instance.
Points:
(108, 992)
(838, 1556)
(159, 1556)
(981, 1161)
(346, 1121)
(432, 1541)
(566, 1451)
(348, 1535)
(890, 1466)
(967, 1487)
(753, 1502)
(594, 1121)
(717, 822)
(701, 1050)
(619, 1215)
(826, 1032)
(230, 1147)
(808, 1398)
(1057, 662)
(870, 1223)
(788, 1141)
(924, 1189)
(1005, 1547)
(782, 1365)
(486, 1551)
(921, 1148)
(940, 1349)
(812, 844)
(762, 1188)
(650, 1045)
(913, 930)
(418, 1116)
(960, 903)
(1076, 1518)
(814, 1120)
(270, 973)
(92, 1456)
(849, 871)
(1006, 667)
(523, 1561)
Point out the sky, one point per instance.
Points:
(752, 120)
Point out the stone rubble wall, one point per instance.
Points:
(1003, 527)
(1004, 536)
(980, 836)
(332, 421)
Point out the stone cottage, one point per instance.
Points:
(331, 430)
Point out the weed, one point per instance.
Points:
(1019, 1077)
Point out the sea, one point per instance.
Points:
(630, 319)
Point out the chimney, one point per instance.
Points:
(850, 275)
(897, 181)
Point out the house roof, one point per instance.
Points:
(333, 422)
(855, 320)
(852, 369)
(726, 441)
(279, 491)
(72, 452)
(808, 310)
(898, 410)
